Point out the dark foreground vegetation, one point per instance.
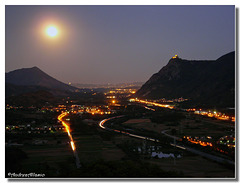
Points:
(124, 169)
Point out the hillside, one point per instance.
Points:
(37, 98)
(205, 83)
(35, 77)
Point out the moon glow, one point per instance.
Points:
(52, 31)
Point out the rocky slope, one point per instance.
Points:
(208, 82)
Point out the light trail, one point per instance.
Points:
(148, 108)
(152, 103)
(70, 137)
(67, 129)
(181, 147)
(102, 122)
(73, 146)
(123, 132)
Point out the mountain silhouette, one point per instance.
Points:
(204, 83)
(35, 77)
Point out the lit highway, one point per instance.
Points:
(210, 114)
(151, 103)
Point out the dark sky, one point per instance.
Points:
(113, 44)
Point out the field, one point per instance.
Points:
(195, 166)
(92, 148)
(190, 165)
(134, 121)
(48, 158)
(146, 124)
(191, 127)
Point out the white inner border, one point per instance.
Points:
(91, 2)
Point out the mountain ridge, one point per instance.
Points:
(205, 81)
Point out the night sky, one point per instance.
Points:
(114, 44)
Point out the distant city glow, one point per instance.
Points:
(211, 114)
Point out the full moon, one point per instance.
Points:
(52, 31)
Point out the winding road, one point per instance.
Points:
(70, 138)
(203, 154)
(101, 125)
